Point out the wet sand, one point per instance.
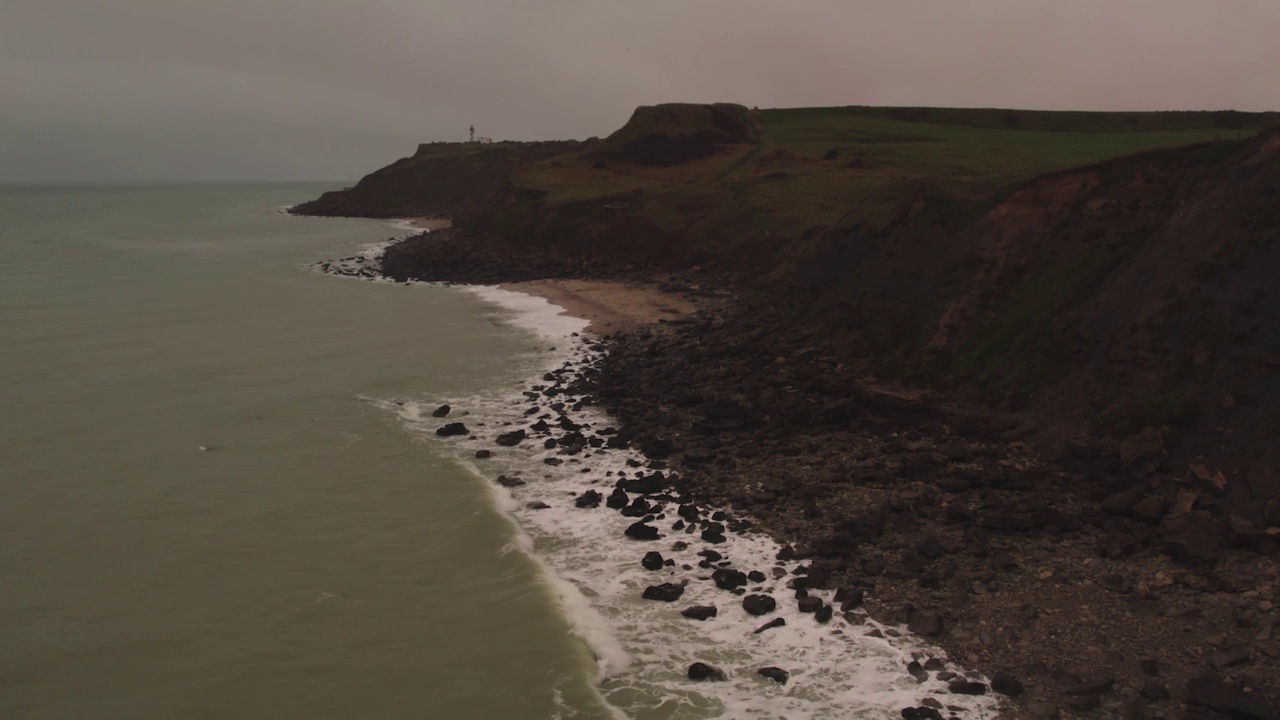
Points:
(610, 306)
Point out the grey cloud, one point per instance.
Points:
(325, 89)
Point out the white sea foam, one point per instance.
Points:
(530, 312)
(366, 256)
(406, 226)
(643, 648)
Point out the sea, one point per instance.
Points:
(222, 495)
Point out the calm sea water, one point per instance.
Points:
(222, 496)
(317, 561)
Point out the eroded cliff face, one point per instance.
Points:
(1134, 293)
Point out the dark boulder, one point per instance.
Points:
(588, 499)
(638, 508)
(641, 531)
(759, 604)
(967, 687)
(652, 560)
(703, 671)
(713, 537)
(509, 481)
(1192, 537)
(442, 411)
(775, 674)
(824, 614)
(452, 430)
(851, 599)
(1220, 697)
(618, 499)
(484, 454)
(774, 623)
(515, 437)
(1006, 684)
(1117, 545)
(925, 622)
(699, 612)
(666, 592)
(729, 579)
(809, 604)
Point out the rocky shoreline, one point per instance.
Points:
(702, 559)
(1030, 569)
(1089, 580)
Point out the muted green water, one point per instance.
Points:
(316, 561)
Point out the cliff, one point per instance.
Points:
(1090, 273)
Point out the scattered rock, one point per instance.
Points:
(588, 499)
(1006, 684)
(924, 712)
(453, 430)
(666, 592)
(699, 612)
(1192, 537)
(703, 671)
(809, 604)
(967, 687)
(509, 439)
(775, 674)
(641, 530)
(1216, 695)
(759, 604)
(1142, 453)
(484, 454)
(774, 623)
(652, 560)
(442, 411)
(925, 622)
(729, 579)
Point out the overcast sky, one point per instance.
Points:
(331, 89)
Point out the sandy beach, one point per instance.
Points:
(610, 306)
(430, 223)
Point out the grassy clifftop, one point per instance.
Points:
(784, 171)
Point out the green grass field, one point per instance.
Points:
(886, 158)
